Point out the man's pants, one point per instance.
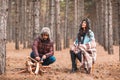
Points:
(47, 61)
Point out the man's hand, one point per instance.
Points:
(37, 58)
(44, 57)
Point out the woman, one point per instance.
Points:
(42, 49)
(84, 47)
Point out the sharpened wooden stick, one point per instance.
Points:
(29, 66)
(30, 69)
(32, 59)
(37, 68)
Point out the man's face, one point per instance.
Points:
(45, 36)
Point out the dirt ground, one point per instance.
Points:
(107, 67)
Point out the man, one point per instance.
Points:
(43, 48)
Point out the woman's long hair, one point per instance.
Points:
(81, 31)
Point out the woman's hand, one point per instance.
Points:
(83, 46)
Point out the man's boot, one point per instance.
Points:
(73, 59)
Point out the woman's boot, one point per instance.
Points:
(73, 59)
(79, 56)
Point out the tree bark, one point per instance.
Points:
(119, 25)
(17, 24)
(115, 22)
(106, 26)
(102, 22)
(57, 25)
(97, 22)
(36, 26)
(65, 28)
(52, 17)
(110, 29)
(9, 26)
(3, 24)
(47, 14)
(24, 22)
(75, 18)
(30, 25)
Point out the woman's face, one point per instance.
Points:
(45, 36)
(84, 24)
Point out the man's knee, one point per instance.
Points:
(32, 55)
(52, 59)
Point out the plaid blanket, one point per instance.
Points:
(88, 57)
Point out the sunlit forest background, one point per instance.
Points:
(22, 20)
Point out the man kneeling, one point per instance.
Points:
(42, 48)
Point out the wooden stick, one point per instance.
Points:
(46, 66)
(22, 71)
(32, 59)
(92, 68)
(37, 68)
(43, 71)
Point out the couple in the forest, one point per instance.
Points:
(84, 47)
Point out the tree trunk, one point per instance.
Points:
(102, 22)
(106, 26)
(9, 26)
(115, 22)
(66, 29)
(14, 20)
(36, 25)
(20, 22)
(24, 22)
(47, 14)
(75, 19)
(78, 11)
(52, 17)
(57, 25)
(3, 24)
(97, 22)
(110, 29)
(29, 23)
(119, 25)
(82, 9)
(17, 24)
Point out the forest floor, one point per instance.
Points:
(107, 67)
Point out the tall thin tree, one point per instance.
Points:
(110, 30)
(119, 25)
(52, 17)
(3, 24)
(75, 18)
(17, 24)
(106, 26)
(66, 35)
(57, 25)
(36, 12)
(9, 21)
